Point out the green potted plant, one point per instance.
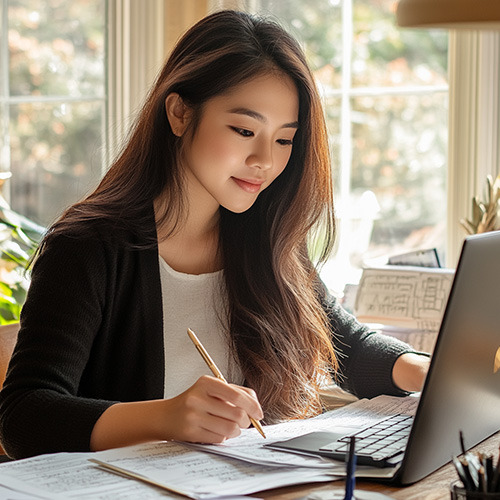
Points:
(19, 238)
(485, 215)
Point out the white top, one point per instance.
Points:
(193, 301)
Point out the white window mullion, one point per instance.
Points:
(345, 156)
(346, 112)
(4, 94)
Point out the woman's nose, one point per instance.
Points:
(261, 157)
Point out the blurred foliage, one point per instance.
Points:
(56, 119)
(385, 54)
(19, 238)
(56, 47)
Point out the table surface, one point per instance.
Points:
(436, 486)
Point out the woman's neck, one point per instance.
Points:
(193, 247)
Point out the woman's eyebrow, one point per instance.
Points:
(258, 116)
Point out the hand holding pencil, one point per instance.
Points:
(216, 372)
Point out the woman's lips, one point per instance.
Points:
(250, 186)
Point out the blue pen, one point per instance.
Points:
(350, 479)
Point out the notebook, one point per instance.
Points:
(462, 388)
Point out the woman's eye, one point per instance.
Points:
(242, 131)
(285, 142)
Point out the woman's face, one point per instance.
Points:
(243, 142)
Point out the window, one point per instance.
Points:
(386, 99)
(385, 92)
(52, 102)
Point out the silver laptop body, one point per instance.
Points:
(462, 388)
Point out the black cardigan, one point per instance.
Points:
(92, 335)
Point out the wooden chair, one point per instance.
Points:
(8, 338)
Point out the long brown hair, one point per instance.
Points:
(278, 328)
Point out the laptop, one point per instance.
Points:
(462, 388)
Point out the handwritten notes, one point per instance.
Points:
(410, 297)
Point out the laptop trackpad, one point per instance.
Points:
(314, 441)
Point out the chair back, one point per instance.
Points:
(8, 339)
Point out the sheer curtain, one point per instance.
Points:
(474, 126)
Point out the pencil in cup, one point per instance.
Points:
(216, 372)
(479, 475)
(460, 493)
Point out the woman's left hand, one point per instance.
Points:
(409, 371)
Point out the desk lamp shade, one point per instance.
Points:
(468, 14)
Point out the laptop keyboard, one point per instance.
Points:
(379, 442)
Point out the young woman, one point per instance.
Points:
(202, 222)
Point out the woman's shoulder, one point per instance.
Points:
(96, 242)
(107, 229)
(85, 233)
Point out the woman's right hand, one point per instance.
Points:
(210, 411)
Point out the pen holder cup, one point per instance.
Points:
(460, 493)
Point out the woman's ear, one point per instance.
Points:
(178, 113)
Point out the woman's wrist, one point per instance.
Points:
(125, 424)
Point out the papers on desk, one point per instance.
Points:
(405, 302)
(411, 297)
(8, 494)
(240, 466)
(197, 473)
